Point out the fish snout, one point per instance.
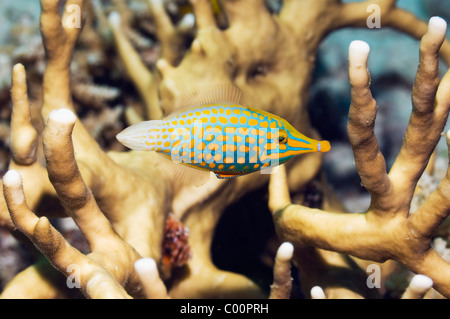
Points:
(134, 136)
(323, 146)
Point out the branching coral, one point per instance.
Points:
(121, 201)
(386, 230)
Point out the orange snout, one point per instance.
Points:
(323, 146)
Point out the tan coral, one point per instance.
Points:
(385, 231)
(271, 58)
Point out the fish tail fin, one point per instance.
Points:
(138, 136)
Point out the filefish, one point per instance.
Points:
(209, 131)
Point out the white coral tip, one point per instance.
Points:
(317, 293)
(437, 25)
(114, 19)
(420, 283)
(285, 251)
(62, 116)
(187, 22)
(146, 266)
(12, 178)
(358, 52)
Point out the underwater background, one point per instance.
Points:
(392, 63)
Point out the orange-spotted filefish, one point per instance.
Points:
(209, 131)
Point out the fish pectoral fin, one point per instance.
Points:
(184, 173)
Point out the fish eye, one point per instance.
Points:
(282, 138)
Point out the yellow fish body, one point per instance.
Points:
(219, 135)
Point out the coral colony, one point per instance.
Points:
(145, 232)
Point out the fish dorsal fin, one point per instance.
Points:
(220, 93)
(182, 173)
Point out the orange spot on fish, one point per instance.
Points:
(243, 130)
(252, 122)
(243, 148)
(223, 120)
(213, 146)
(250, 140)
(201, 146)
(230, 129)
(229, 147)
(237, 139)
(222, 138)
(228, 160)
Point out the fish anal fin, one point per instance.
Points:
(226, 176)
(219, 93)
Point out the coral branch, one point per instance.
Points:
(169, 38)
(147, 271)
(59, 42)
(144, 79)
(23, 134)
(427, 119)
(24, 147)
(317, 293)
(418, 287)
(436, 207)
(204, 14)
(101, 274)
(282, 281)
(361, 123)
(385, 231)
